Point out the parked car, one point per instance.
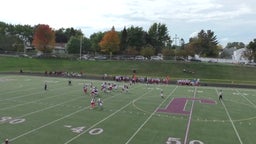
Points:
(156, 58)
(139, 57)
(195, 60)
(25, 55)
(212, 61)
(83, 57)
(100, 57)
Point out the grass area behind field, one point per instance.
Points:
(207, 72)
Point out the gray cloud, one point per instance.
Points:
(230, 20)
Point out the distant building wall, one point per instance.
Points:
(237, 57)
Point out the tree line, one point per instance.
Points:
(133, 40)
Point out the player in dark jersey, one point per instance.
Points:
(45, 86)
(220, 95)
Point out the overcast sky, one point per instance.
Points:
(231, 20)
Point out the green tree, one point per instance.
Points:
(236, 45)
(24, 32)
(86, 45)
(61, 36)
(131, 51)
(69, 32)
(205, 44)
(3, 27)
(123, 40)
(147, 51)
(159, 37)
(190, 48)
(167, 53)
(95, 39)
(73, 45)
(251, 52)
(15, 37)
(182, 43)
(136, 37)
(10, 43)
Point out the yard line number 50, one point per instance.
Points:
(11, 120)
(172, 140)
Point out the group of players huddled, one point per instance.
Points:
(106, 87)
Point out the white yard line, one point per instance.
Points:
(237, 134)
(231, 121)
(135, 133)
(190, 117)
(245, 98)
(109, 116)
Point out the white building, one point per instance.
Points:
(238, 56)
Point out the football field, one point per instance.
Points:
(62, 114)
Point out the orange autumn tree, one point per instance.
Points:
(44, 38)
(110, 42)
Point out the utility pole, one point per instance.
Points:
(81, 41)
(175, 39)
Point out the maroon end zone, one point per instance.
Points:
(177, 105)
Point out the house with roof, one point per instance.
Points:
(60, 48)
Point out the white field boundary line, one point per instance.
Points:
(32, 101)
(231, 121)
(109, 116)
(190, 117)
(153, 113)
(254, 105)
(52, 122)
(41, 92)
